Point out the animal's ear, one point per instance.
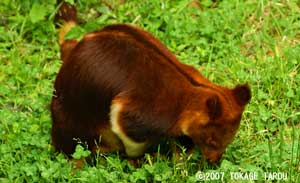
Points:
(242, 94)
(214, 107)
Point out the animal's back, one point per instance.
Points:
(109, 63)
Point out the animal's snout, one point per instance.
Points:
(213, 157)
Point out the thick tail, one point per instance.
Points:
(67, 18)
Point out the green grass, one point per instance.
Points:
(230, 42)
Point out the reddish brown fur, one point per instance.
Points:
(161, 96)
(66, 12)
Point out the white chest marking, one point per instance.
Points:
(133, 149)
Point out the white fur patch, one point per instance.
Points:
(132, 148)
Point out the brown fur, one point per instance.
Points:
(161, 97)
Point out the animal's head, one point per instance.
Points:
(215, 118)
